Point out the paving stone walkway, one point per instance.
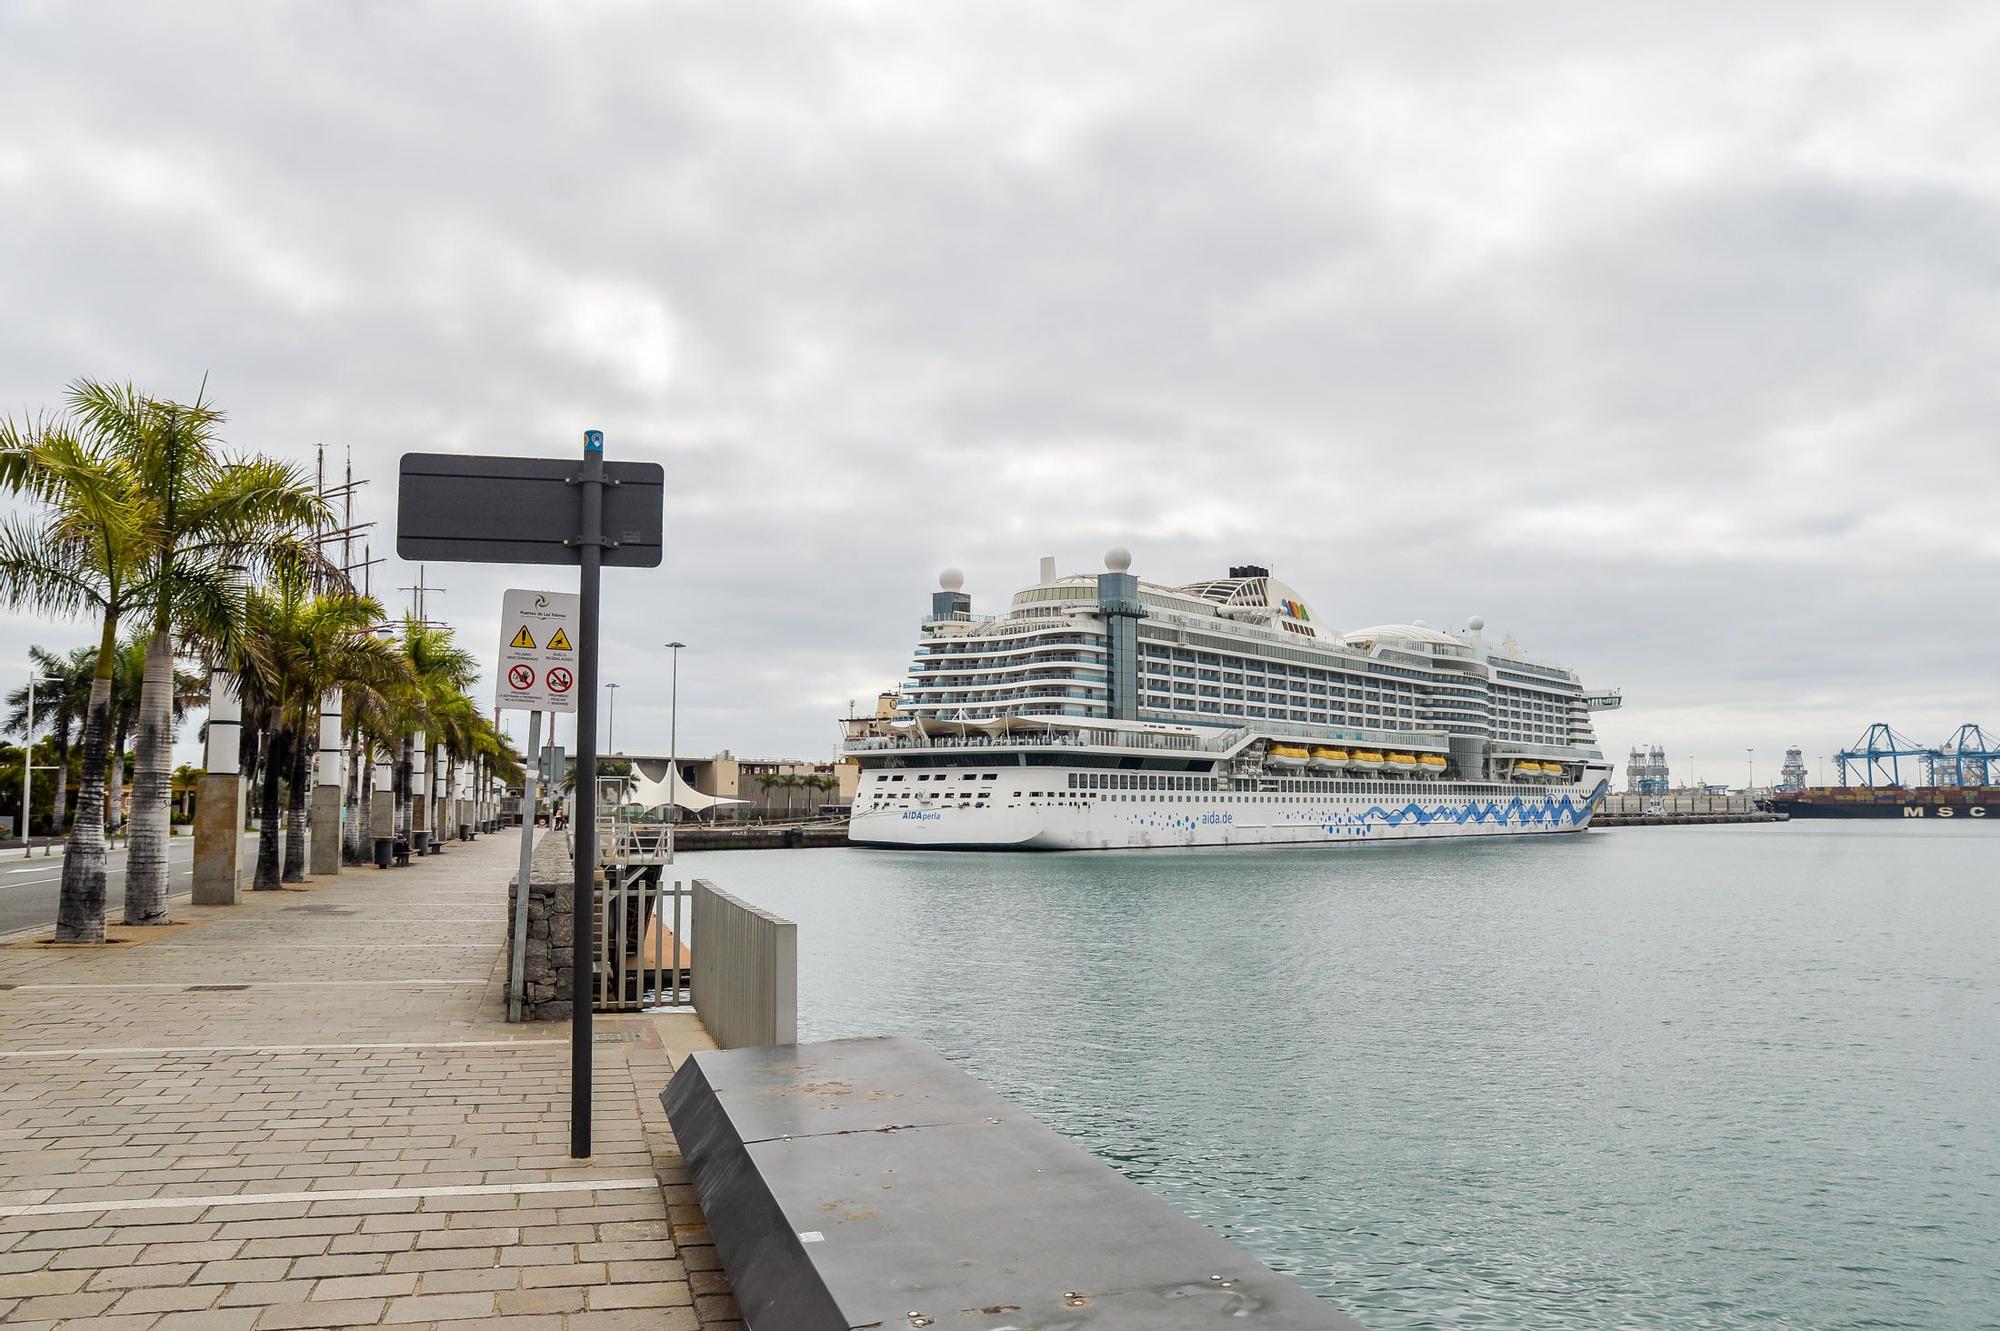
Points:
(308, 1111)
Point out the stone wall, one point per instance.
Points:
(551, 928)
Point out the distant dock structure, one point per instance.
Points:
(1646, 772)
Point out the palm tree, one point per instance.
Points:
(204, 518)
(822, 783)
(82, 554)
(305, 644)
(440, 673)
(186, 779)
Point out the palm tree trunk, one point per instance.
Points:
(295, 812)
(62, 780)
(80, 910)
(350, 834)
(114, 771)
(277, 748)
(146, 856)
(405, 770)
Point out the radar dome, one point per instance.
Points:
(1420, 623)
(951, 579)
(1475, 623)
(1118, 559)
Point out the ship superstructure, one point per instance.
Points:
(1103, 711)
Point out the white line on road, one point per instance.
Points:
(259, 984)
(333, 1195)
(274, 1048)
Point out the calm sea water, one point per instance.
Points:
(1675, 1077)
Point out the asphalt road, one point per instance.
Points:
(29, 887)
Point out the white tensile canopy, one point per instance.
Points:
(649, 793)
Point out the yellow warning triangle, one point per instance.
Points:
(525, 638)
(559, 643)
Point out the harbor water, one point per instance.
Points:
(1735, 1076)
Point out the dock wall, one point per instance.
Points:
(789, 836)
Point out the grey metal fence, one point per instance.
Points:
(746, 971)
(643, 949)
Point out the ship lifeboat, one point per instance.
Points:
(1431, 764)
(1367, 762)
(1525, 767)
(1329, 760)
(1289, 756)
(1400, 762)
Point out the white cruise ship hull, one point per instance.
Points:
(1139, 819)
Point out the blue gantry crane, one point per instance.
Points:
(1878, 757)
(1968, 758)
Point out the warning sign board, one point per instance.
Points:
(537, 662)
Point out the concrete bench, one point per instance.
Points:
(870, 1183)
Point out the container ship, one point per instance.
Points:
(1934, 802)
(1101, 711)
(1959, 779)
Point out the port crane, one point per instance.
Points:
(1878, 757)
(1968, 758)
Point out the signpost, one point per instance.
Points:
(546, 511)
(537, 651)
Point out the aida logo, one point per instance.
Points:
(1297, 610)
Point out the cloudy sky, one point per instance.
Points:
(1664, 337)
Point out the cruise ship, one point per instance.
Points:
(1102, 711)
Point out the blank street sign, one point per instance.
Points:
(499, 510)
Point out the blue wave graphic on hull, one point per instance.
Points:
(1545, 810)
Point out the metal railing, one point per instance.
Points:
(746, 973)
(643, 956)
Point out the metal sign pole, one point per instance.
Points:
(517, 970)
(590, 542)
(485, 509)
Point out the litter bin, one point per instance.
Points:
(421, 840)
(385, 851)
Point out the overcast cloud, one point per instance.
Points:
(1664, 337)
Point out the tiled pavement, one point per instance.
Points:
(308, 1111)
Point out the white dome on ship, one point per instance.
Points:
(951, 579)
(1118, 559)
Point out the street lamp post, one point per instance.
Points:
(1750, 757)
(28, 762)
(673, 739)
(611, 721)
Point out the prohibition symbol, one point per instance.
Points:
(522, 678)
(559, 680)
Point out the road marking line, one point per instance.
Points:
(274, 1048)
(258, 984)
(332, 1195)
